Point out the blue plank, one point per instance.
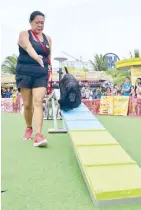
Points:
(79, 116)
(81, 108)
(84, 125)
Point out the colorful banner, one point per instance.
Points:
(6, 105)
(110, 105)
(106, 105)
(114, 105)
(11, 104)
(121, 105)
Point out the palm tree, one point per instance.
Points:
(118, 75)
(9, 65)
(136, 54)
(99, 64)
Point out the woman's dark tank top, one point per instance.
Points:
(26, 65)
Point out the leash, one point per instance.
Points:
(49, 88)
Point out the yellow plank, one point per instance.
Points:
(101, 155)
(114, 182)
(92, 138)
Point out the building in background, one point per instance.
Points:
(133, 65)
(79, 64)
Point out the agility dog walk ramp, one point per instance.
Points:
(112, 177)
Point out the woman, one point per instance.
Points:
(126, 87)
(99, 93)
(132, 92)
(116, 90)
(87, 91)
(138, 92)
(108, 92)
(132, 101)
(14, 101)
(138, 81)
(31, 74)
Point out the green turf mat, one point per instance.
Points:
(50, 179)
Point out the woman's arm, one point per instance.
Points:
(138, 90)
(26, 45)
(50, 45)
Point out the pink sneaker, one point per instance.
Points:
(40, 141)
(28, 134)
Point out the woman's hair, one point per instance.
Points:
(108, 88)
(137, 84)
(128, 78)
(34, 14)
(139, 80)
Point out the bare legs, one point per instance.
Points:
(32, 100)
(38, 96)
(28, 108)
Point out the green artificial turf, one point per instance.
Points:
(50, 179)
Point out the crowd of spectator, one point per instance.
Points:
(8, 92)
(126, 89)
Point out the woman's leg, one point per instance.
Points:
(28, 107)
(38, 96)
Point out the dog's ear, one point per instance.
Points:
(66, 70)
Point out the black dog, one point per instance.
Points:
(70, 94)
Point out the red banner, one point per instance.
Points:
(93, 106)
(10, 105)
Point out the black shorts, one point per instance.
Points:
(30, 82)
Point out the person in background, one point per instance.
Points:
(132, 92)
(91, 94)
(83, 92)
(3, 91)
(45, 107)
(49, 105)
(99, 93)
(94, 94)
(119, 92)
(87, 91)
(32, 75)
(116, 90)
(14, 101)
(138, 81)
(108, 92)
(126, 87)
(132, 101)
(8, 93)
(138, 92)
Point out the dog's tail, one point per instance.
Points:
(66, 70)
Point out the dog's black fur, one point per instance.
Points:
(70, 94)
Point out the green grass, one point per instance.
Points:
(50, 179)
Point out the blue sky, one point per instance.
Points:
(78, 27)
